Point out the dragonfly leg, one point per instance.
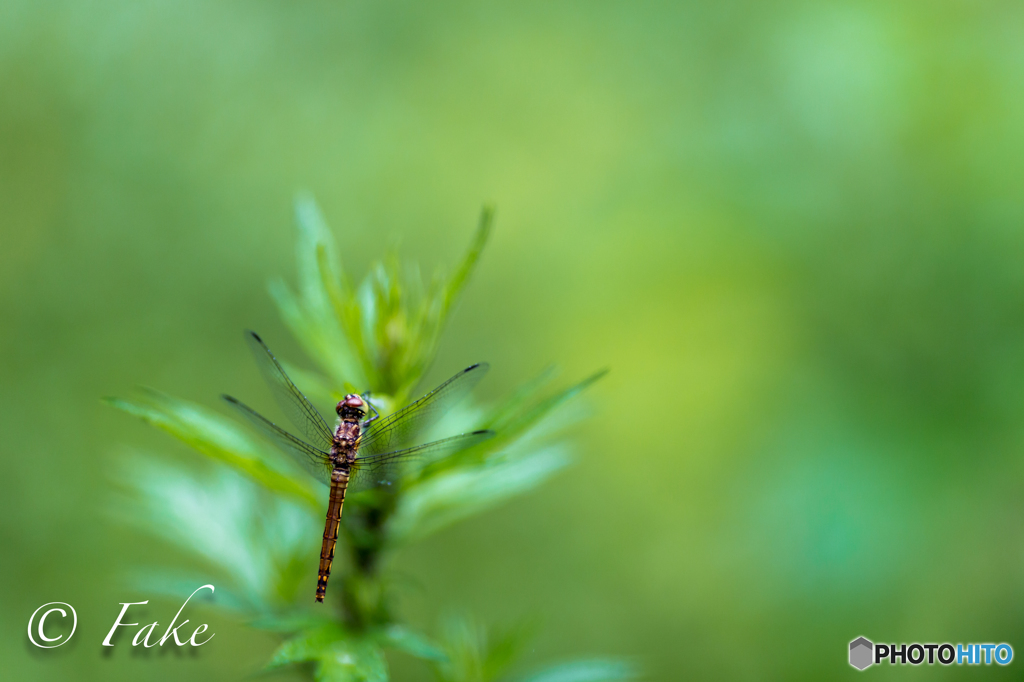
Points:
(376, 415)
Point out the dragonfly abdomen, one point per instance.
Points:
(339, 484)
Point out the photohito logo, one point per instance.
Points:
(864, 653)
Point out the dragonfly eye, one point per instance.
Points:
(350, 403)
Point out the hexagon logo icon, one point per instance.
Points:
(861, 653)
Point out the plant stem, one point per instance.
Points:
(363, 596)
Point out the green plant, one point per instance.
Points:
(252, 518)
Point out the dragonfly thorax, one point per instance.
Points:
(346, 442)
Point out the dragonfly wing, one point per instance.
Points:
(385, 469)
(295, 405)
(315, 461)
(399, 428)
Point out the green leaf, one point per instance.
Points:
(309, 314)
(316, 388)
(220, 439)
(307, 645)
(348, 314)
(318, 337)
(434, 312)
(458, 281)
(517, 403)
(476, 655)
(411, 642)
(511, 424)
(340, 656)
(159, 582)
(314, 238)
(355, 660)
(595, 670)
(504, 647)
(459, 493)
(221, 517)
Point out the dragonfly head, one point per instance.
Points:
(352, 406)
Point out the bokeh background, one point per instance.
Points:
(792, 231)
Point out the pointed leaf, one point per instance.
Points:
(347, 312)
(514, 424)
(459, 493)
(308, 314)
(504, 646)
(504, 414)
(307, 645)
(218, 438)
(411, 642)
(160, 582)
(352, 660)
(434, 311)
(457, 282)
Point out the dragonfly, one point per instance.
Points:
(361, 451)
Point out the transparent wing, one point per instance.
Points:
(385, 469)
(295, 405)
(315, 461)
(399, 428)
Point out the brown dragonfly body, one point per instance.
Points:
(359, 453)
(343, 455)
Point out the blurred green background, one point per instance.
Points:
(792, 231)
